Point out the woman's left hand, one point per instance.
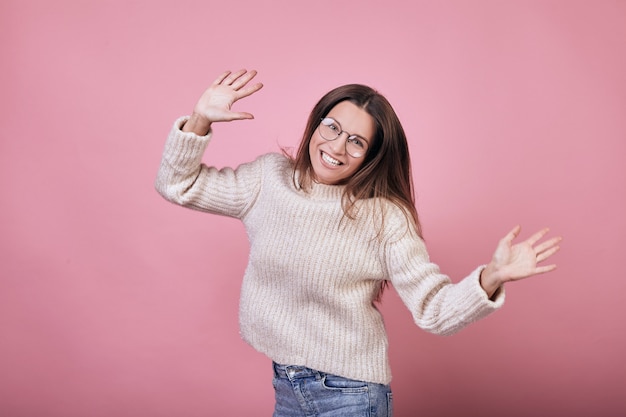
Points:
(513, 262)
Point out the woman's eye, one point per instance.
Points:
(357, 141)
(331, 124)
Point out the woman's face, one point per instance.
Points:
(329, 159)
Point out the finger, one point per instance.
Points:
(512, 234)
(221, 78)
(243, 79)
(547, 244)
(537, 236)
(548, 253)
(240, 116)
(544, 269)
(245, 92)
(233, 76)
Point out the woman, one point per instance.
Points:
(327, 230)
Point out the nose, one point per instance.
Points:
(339, 145)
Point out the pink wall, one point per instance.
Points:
(116, 303)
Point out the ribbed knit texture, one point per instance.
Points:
(308, 292)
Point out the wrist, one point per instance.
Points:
(197, 124)
(490, 280)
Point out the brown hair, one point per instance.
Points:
(386, 170)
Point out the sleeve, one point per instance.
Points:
(183, 179)
(437, 305)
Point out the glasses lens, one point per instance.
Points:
(356, 146)
(329, 129)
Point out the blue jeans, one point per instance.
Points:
(306, 392)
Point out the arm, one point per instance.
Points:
(441, 307)
(183, 179)
(437, 305)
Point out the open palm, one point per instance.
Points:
(512, 262)
(215, 104)
(517, 261)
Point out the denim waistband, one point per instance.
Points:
(295, 371)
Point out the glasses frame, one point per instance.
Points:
(348, 139)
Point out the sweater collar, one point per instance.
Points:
(325, 191)
(322, 191)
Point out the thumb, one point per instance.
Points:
(240, 116)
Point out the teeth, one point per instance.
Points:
(330, 160)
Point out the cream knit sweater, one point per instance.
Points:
(308, 290)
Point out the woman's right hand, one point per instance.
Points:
(215, 103)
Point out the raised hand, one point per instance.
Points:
(215, 104)
(513, 262)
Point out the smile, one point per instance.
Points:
(329, 160)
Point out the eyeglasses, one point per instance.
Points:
(330, 129)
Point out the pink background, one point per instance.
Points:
(114, 302)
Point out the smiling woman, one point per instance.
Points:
(116, 303)
(320, 262)
(376, 161)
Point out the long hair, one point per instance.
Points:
(386, 170)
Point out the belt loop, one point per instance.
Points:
(293, 372)
(274, 365)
